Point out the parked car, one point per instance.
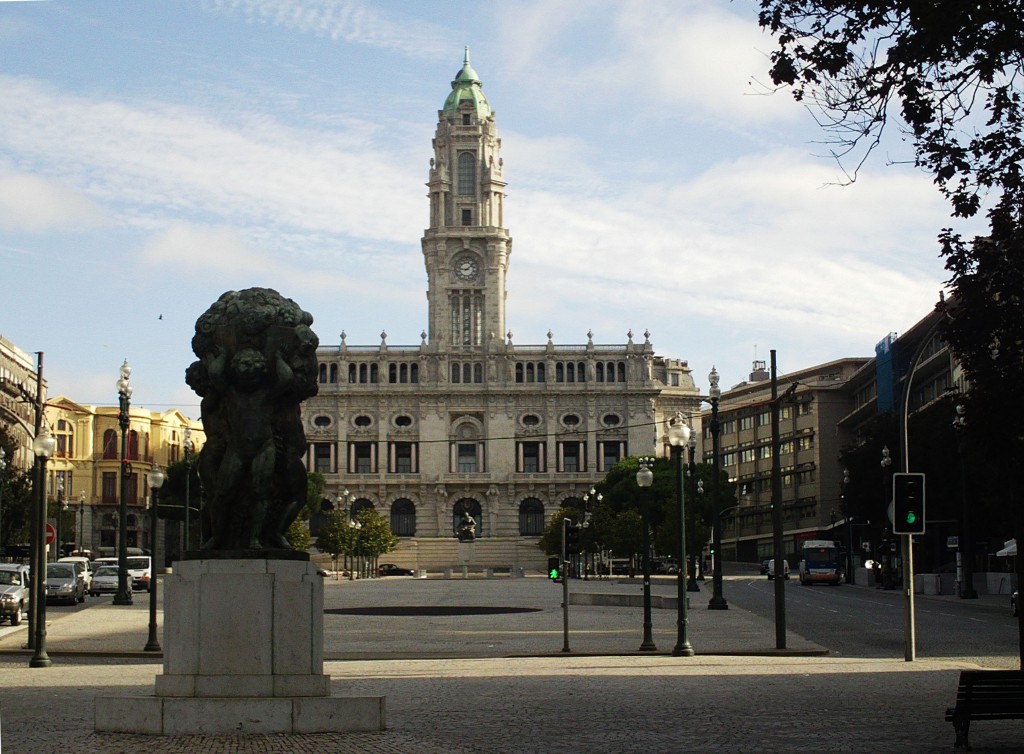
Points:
(86, 572)
(390, 569)
(773, 571)
(104, 581)
(64, 583)
(139, 569)
(764, 566)
(14, 592)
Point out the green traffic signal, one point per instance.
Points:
(554, 568)
(911, 517)
(553, 574)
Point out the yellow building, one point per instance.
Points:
(84, 472)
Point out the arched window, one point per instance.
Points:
(478, 373)
(519, 372)
(360, 504)
(110, 443)
(559, 372)
(456, 373)
(334, 372)
(392, 373)
(467, 372)
(373, 373)
(133, 445)
(403, 518)
(414, 373)
(529, 373)
(467, 174)
(362, 374)
(467, 505)
(540, 372)
(531, 517)
(352, 373)
(323, 373)
(622, 371)
(65, 439)
(599, 369)
(581, 372)
(573, 502)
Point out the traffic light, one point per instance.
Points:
(554, 568)
(572, 539)
(908, 503)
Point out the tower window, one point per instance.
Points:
(467, 217)
(465, 119)
(467, 174)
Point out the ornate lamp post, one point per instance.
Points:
(595, 497)
(189, 446)
(156, 481)
(966, 548)
(60, 514)
(644, 479)
(717, 601)
(81, 520)
(678, 436)
(43, 446)
(124, 395)
(691, 580)
(3, 468)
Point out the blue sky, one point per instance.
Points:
(156, 154)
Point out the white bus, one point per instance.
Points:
(820, 562)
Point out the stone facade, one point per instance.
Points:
(468, 420)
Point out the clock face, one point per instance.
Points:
(466, 267)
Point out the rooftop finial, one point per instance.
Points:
(465, 59)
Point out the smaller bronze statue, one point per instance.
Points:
(466, 530)
(257, 363)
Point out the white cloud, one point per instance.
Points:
(345, 20)
(35, 204)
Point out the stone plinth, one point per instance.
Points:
(243, 653)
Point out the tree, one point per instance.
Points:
(16, 494)
(298, 535)
(336, 537)
(954, 69)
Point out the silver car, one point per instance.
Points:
(104, 580)
(14, 592)
(63, 583)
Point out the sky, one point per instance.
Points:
(154, 155)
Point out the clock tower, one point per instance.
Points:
(466, 248)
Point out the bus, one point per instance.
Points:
(820, 562)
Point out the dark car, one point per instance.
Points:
(764, 567)
(390, 569)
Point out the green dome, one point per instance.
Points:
(466, 87)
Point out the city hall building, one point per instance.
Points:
(468, 421)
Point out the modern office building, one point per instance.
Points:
(468, 420)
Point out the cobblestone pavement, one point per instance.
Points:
(616, 703)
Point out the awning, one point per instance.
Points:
(1009, 548)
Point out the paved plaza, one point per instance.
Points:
(737, 694)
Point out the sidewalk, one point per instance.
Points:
(725, 699)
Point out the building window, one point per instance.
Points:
(322, 457)
(65, 439)
(530, 457)
(611, 452)
(110, 444)
(467, 174)
(804, 409)
(467, 311)
(110, 487)
(403, 518)
(403, 458)
(764, 418)
(805, 443)
(323, 373)
(765, 451)
(363, 421)
(571, 457)
(746, 456)
(467, 460)
(728, 427)
(531, 517)
(467, 217)
(746, 422)
(362, 458)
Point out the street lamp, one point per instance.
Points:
(156, 481)
(81, 521)
(124, 395)
(678, 436)
(43, 446)
(851, 573)
(189, 446)
(966, 549)
(717, 601)
(60, 515)
(594, 497)
(691, 581)
(644, 479)
(3, 468)
(885, 463)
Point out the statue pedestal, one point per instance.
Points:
(243, 653)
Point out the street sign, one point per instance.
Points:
(51, 534)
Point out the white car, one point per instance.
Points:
(139, 569)
(772, 569)
(104, 580)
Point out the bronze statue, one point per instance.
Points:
(257, 363)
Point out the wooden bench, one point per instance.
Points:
(986, 695)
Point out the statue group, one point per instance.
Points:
(256, 364)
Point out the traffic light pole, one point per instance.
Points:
(909, 650)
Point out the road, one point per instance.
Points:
(866, 622)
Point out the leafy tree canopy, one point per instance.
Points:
(953, 68)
